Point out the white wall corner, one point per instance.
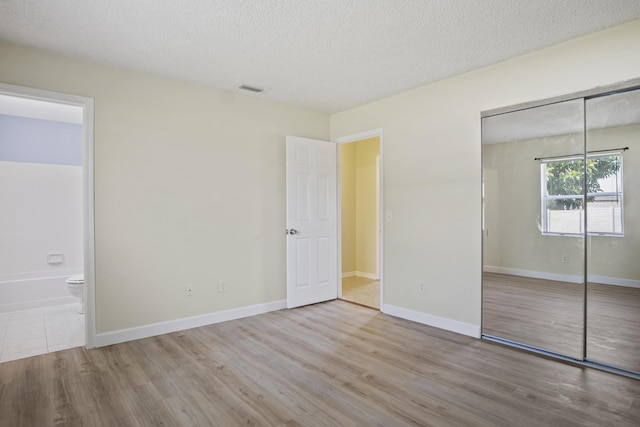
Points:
(123, 335)
(431, 320)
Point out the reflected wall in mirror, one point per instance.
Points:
(613, 251)
(533, 246)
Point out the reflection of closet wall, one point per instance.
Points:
(614, 256)
(359, 228)
(512, 194)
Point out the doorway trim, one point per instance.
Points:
(345, 140)
(87, 189)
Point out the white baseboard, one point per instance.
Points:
(367, 275)
(615, 281)
(361, 274)
(123, 335)
(431, 320)
(534, 274)
(39, 303)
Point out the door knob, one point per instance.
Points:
(292, 231)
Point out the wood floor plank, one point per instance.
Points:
(29, 389)
(330, 364)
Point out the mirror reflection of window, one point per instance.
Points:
(563, 195)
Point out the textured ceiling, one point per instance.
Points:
(563, 118)
(328, 55)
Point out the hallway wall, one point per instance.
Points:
(359, 207)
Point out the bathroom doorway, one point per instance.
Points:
(360, 228)
(46, 181)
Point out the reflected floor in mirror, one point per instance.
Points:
(361, 290)
(549, 315)
(613, 325)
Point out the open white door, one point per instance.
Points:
(311, 221)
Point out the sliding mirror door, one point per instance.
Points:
(534, 227)
(613, 226)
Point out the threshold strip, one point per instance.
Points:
(587, 363)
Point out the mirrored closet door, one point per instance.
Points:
(561, 228)
(613, 226)
(533, 278)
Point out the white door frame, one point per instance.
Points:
(88, 197)
(344, 140)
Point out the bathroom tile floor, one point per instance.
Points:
(44, 330)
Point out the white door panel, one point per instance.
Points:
(312, 213)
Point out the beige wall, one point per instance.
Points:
(432, 162)
(618, 257)
(359, 205)
(189, 188)
(366, 207)
(348, 206)
(513, 208)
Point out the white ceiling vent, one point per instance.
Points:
(251, 89)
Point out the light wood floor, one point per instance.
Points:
(361, 291)
(549, 314)
(613, 325)
(330, 364)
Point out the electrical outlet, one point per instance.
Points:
(422, 286)
(565, 259)
(222, 286)
(188, 290)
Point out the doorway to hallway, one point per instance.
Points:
(360, 221)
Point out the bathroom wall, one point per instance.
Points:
(41, 216)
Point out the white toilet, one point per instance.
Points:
(76, 288)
